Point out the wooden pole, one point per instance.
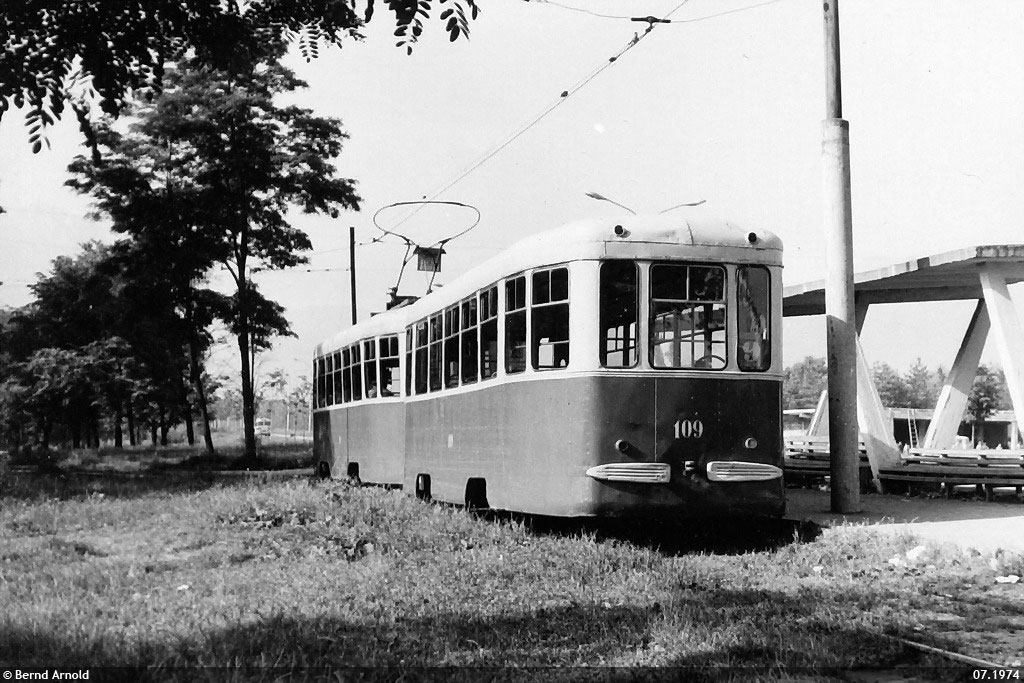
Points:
(352, 268)
(840, 313)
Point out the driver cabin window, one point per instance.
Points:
(688, 317)
(754, 342)
(619, 314)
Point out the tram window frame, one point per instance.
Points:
(515, 325)
(489, 341)
(715, 309)
(450, 369)
(619, 315)
(334, 379)
(422, 358)
(370, 368)
(436, 341)
(320, 379)
(389, 378)
(346, 375)
(328, 398)
(469, 345)
(356, 372)
(753, 327)
(549, 319)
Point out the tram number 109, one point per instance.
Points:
(689, 429)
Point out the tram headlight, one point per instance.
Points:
(750, 443)
(626, 448)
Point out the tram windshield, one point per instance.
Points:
(688, 317)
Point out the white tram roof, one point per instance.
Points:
(643, 237)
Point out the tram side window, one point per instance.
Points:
(389, 370)
(436, 336)
(515, 324)
(356, 372)
(334, 379)
(754, 347)
(319, 370)
(549, 346)
(688, 317)
(421, 357)
(470, 346)
(370, 368)
(451, 347)
(346, 375)
(489, 332)
(619, 314)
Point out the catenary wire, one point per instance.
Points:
(566, 94)
(619, 17)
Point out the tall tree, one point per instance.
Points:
(212, 167)
(986, 396)
(124, 335)
(892, 390)
(921, 385)
(59, 52)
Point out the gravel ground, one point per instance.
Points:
(986, 526)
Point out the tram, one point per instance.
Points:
(611, 367)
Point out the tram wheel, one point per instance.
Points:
(423, 487)
(476, 494)
(353, 474)
(323, 470)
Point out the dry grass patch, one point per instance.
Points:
(295, 574)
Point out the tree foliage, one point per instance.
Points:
(96, 345)
(207, 173)
(803, 383)
(55, 53)
(986, 395)
(918, 387)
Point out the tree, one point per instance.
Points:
(108, 309)
(891, 388)
(211, 168)
(803, 383)
(297, 402)
(922, 386)
(986, 395)
(163, 279)
(55, 53)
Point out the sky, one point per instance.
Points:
(724, 106)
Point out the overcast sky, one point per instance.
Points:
(724, 107)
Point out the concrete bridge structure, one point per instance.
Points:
(982, 274)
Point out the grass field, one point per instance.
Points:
(191, 571)
(273, 453)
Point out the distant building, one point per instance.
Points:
(909, 426)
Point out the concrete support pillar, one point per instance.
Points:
(840, 320)
(949, 409)
(1009, 337)
(874, 422)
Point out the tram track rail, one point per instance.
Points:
(975, 662)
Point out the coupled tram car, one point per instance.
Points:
(606, 368)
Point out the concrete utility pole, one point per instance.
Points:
(352, 268)
(840, 316)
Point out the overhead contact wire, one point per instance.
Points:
(566, 94)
